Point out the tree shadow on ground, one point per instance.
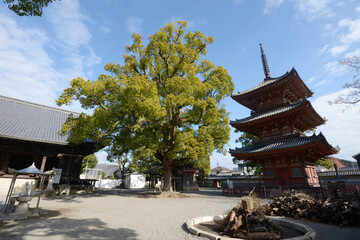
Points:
(139, 193)
(52, 227)
(204, 192)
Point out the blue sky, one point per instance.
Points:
(39, 56)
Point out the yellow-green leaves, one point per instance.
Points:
(164, 102)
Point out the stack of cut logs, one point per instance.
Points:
(246, 223)
(342, 211)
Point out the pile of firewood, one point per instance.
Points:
(246, 223)
(343, 211)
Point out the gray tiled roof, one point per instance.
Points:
(269, 113)
(30, 121)
(220, 169)
(278, 145)
(356, 156)
(107, 168)
(264, 83)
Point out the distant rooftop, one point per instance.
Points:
(31, 121)
(220, 169)
(107, 168)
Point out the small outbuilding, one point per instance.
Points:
(134, 180)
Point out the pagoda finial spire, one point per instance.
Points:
(264, 63)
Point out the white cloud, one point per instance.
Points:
(334, 68)
(334, 51)
(354, 31)
(271, 5)
(353, 53)
(342, 127)
(69, 24)
(238, 1)
(92, 59)
(357, 9)
(341, 3)
(73, 36)
(323, 49)
(35, 65)
(105, 24)
(329, 71)
(311, 79)
(311, 9)
(26, 70)
(322, 82)
(133, 24)
(104, 29)
(327, 27)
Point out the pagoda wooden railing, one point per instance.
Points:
(341, 173)
(270, 192)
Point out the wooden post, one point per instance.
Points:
(43, 163)
(265, 192)
(4, 161)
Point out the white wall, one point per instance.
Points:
(107, 183)
(134, 181)
(5, 184)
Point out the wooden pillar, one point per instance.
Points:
(4, 162)
(62, 165)
(43, 163)
(76, 167)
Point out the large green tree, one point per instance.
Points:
(27, 7)
(165, 102)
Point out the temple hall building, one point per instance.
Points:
(29, 133)
(280, 116)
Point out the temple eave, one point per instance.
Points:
(308, 119)
(319, 147)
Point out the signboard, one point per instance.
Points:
(57, 176)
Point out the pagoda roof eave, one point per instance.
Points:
(292, 144)
(279, 112)
(268, 83)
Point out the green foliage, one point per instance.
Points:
(90, 160)
(246, 140)
(116, 154)
(103, 175)
(254, 166)
(324, 162)
(27, 7)
(164, 104)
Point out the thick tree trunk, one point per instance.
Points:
(167, 175)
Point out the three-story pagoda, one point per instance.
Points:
(280, 114)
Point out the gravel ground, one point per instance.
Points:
(124, 214)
